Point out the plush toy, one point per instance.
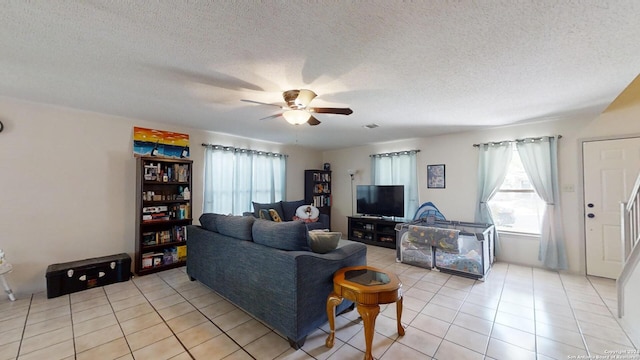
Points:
(307, 213)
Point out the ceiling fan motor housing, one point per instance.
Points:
(298, 99)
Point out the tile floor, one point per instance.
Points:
(517, 313)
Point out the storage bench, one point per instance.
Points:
(66, 278)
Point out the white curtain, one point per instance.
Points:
(398, 169)
(540, 161)
(493, 162)
(233, 178)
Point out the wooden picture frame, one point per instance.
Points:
(436, 176)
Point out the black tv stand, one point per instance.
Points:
(373, 230)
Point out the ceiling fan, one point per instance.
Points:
(297, 110)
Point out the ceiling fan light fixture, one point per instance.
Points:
(296, 117)
(304, 98)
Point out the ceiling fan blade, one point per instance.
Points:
(270, 117)
(262, 103)
(313, 121)
(339, 111)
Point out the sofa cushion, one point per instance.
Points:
(238, 227)
(322, 242)
(277, 206)
(289, 209)
(286, 235)
(208, 221)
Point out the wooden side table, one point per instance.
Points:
(368, 287)
(6, 268)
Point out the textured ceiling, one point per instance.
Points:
(415, 68)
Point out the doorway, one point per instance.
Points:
(610, 170)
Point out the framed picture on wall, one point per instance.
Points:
(435, 176)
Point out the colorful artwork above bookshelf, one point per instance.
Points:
(160, 143)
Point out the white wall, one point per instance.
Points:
(457, 200)
(68, 184)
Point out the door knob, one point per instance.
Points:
(590, 215)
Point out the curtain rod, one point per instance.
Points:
(517, 140)
(235, 149)
(395, 153)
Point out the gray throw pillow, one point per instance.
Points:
(208, 221)
(322, 242)
(238, 227)
(286, 235)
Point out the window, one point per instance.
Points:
(233, 178)
(516, 207)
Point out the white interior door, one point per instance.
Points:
(610, 171)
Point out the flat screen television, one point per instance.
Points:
(380, 200)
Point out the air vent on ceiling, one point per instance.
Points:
(371, 126)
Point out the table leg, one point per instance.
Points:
(7, 289)
(332, 301)
(399, 316)
(368, 314)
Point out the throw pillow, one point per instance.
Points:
(264, 214)
(322, 242)
(286, 235)
(307, 213)
(274, 215)
(276, 205)
(238, 227)
(208, 221)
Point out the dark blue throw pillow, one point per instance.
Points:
(289, 209)
(276, 205)
(286, 235)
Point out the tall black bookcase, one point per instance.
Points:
(317, 190)
(163, 211)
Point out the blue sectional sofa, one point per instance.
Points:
(267, 269)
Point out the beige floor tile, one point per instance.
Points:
(112, 350)
(124, 294)
(47, 339)
(186, 321)
(135, 311)
(290, 354)
(160, 293)
(453, 293)
(148, 336)
(81, 316)
(517, 310)
(94, 324)
(176, 310)
(48, 314)
(46, 326)
(128, 302)
(478, 311)
(140, 323)
(162, 349)
(10, 336)
(467, 338)
(9, 350)
(42, 304)
(96, 338)
(215, 348)
(449, 350)
(13, 323)
(198, 334)
(220, 308)
(401, 351)
(614, 336)
(232, 319)
(559, 334)
(446, 301)
(439, 312)
(61, 350)
(427, 286)
(269, 346)
(315, 345)
(417, 293)
(379, 345)
(248, 332)
(558, 350)
(514, 337)
(501, 350)
(420, 341)
(515, 322)
(185, 356)
(431, 325)
(89, 304)
(346, 352)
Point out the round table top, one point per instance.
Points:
(5, 268)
